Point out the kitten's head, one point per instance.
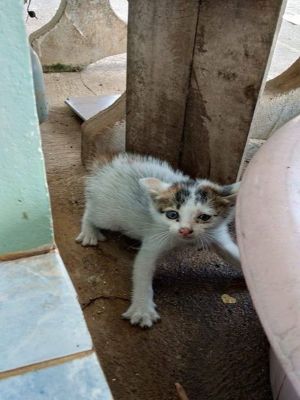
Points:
(190, 208)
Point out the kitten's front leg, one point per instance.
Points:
(89, 234)
(142, 308)
(225, 247)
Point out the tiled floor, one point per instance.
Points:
(40, 316)
(42, 323)
(80, 379)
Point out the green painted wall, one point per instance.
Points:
(25, 217)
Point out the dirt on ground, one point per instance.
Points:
(216, 350)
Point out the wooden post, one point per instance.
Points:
(232, 46)
(196, 118)
(161, 37)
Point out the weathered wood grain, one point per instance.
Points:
(232, 46)
(161, 37)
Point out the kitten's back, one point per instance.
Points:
(125, 169)
(113, 187)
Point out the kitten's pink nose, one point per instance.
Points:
(185, 231)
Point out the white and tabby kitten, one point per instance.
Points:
(147, 200)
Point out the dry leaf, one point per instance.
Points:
(228, 299)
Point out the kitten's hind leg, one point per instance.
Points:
(89, 234)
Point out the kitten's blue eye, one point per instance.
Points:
(204, 217)
(171, 214)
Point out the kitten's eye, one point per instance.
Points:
(171, 214)
(204, 217)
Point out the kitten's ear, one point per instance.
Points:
(153, 185)
(229, 192)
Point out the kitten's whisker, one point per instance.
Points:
(163, 233)
(160, 243)
(203, 243)
(206, 243)
(159, 237)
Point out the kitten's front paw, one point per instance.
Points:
(142, 315)
(90, 238)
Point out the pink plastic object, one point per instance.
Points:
(268, 230)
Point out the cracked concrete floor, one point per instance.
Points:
(216, 351)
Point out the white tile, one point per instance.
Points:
(40, 316)
(80, 379)
(87, 107)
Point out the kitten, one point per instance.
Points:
(147, 200)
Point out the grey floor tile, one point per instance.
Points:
(80, 379)
(40, 316)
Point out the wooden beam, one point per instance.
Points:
(233, 42)
(161, 37)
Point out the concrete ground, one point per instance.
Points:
(217, 351)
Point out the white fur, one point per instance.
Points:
(118, 199)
